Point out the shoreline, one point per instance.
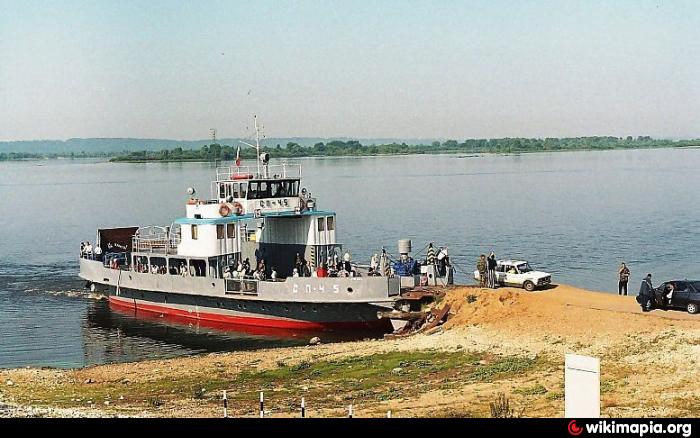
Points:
(495, 341)
(469, 154)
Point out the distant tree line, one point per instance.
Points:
(16, 156)
(213, 152)
(337, 148)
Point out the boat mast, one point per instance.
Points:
(257, 141)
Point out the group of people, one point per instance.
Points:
(487, 270)
(243, 270)
(88, 252)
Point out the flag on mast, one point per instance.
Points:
(238, 156)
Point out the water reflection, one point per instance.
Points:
(114, 334)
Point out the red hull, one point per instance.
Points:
(216, 320)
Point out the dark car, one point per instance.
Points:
(675, 294)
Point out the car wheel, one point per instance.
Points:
(529, 286)
(692, 308)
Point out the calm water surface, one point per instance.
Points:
(575, 214)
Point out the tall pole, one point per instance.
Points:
(257, 141)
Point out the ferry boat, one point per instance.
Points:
(260, 214)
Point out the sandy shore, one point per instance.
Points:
(505, 341)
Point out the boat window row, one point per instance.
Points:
(233, 189)
(326, 223)
(227, 231)
(259, 189)
(172, 266)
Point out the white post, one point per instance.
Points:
(225, 405)
(262, 405)
(303, 408)
(581, 386)
(388, 414)
(350, 411)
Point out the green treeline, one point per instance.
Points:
(17, 156)
(335, 148)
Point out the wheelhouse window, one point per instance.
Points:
(231, 231)
(195, 234)
(273, 189)
(222, 190)
(219, 231)
(331, 223)
(321, 224)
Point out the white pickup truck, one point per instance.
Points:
(519, 273)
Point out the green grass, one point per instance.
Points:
(373, 378)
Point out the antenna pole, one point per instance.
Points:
(257, 141)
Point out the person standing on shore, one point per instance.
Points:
(624, 276)
(491, 267)
(481, 267)
(646, 297)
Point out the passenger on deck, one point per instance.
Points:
(273, 275)
(246, 266)
(298, 263)
(82, 249)
(322, 271)
(88, 250)
(98, 253)
(295, 272)
(305, 270)
(227, 272)
(183, 270)
(256, 275)
(374, 262)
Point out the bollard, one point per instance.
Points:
(388, 414)
(303, 408)
(350, 411)
(225, 405)
(262, 405)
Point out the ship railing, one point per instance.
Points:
(160, 240)
(274, 171)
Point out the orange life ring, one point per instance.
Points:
(238, 208)
(242, 176)
(224, 210)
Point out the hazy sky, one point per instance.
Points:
(409, 69)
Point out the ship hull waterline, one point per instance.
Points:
(232, 314)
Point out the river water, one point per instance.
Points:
(574, 214)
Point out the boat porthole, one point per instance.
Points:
(244, 306)
(350, 289)
(165, 299)
(239, 306)
(303, 309)
(286, 309)
(142, 296)
(314, 309)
